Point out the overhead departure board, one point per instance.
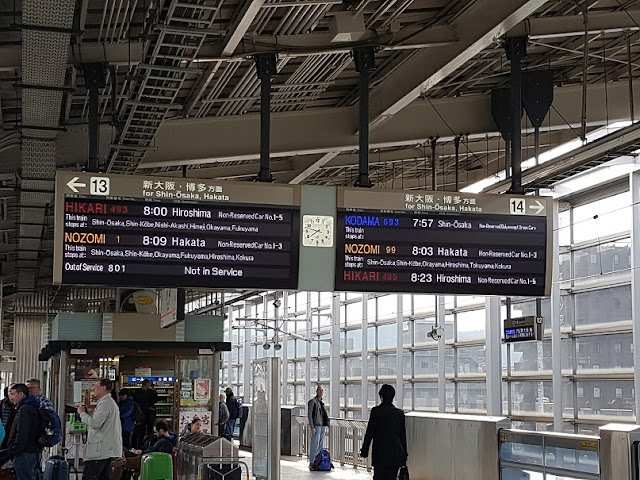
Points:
(443, 242)
(175, 232)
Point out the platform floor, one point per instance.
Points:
(297, 468)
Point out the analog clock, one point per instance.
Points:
(317, 231)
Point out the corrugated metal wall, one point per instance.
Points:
(28, 333)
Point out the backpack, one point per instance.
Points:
(51, 427)
(322, 462)
(138, 414)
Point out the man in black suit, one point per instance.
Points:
(387, 430)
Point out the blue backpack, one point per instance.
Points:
(323, 461)
(51, 428)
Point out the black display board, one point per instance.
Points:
(448, 246)
(127, 241)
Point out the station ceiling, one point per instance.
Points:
(182, 96)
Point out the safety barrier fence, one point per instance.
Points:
(343, 440)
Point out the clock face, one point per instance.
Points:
(317, 231)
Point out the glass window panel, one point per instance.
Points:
(611, 215)
(291, 347)
(472, 396)
(471, 325)
(300, 396)
(425, 395)
(449, 361)
(301, 348)
(528, 308)
(325, 371)
(387, 335)
(291, 394)
(425, 362)
(603, 306)
(342, 362)
(607, 351)
(354, 367)
(387, 365)
(531, 356)
(354, 340)
(448, 327)
(300, 368)
(407, 399)
(407, 305)
(602, 259)
(407, 364)
(353, 313)
(471, 360)
(531, 397)
(406, 333)
(421, 327)
(354, 395)
(325, 344)
(314, 370)
(600, 399)
(450, 395)
(291, 371)
(424, 304)
(387, 307)
(564, 228)
(371, 338)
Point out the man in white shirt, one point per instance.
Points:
(104, 439)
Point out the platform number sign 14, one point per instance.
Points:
(99, 186)
(517, 206)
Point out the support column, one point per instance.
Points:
(284, 339)
(334, 357)
(365, 62)
(230, 376)
(442, 345)
(215, 381)
(516, 48)
(556, 339)
(265, 68)
(94, 79)
(399, 354)
(246, 365)
(309, 390)
(634, 186)
(62, 384)
(493, 356)
(365, 353)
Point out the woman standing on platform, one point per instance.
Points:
(387, 431)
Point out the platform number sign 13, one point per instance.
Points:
(517, 206)
(99, 186)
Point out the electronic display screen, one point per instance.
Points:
(125, 241)
(464, 249)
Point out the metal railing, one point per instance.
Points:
(551, 454)
(343, 440)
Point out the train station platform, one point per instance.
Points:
(297, 468)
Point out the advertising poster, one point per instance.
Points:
(202, 390)
(187, 416)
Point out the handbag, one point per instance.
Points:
(403, 473)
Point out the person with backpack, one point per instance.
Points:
(51, 424)
(387, 430)
(24, 440)
(7, 414)
(318, 423)
(127, 417)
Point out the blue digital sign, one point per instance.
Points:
(153, 379)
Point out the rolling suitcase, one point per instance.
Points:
(56, 468)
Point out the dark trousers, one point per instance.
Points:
(127, 440)
(97, 469)
(385, 473)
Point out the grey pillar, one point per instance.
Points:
(246, 364)
(493, 356)
(400, 354)
(284, 341)
(365, 353)
(309, 390)
(442, 345)
(634, 186)
(62, 385)
(556, 340)
(334, 357)
(215, 381)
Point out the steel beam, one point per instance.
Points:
(190, 142)
(477, 28)
(111, 53)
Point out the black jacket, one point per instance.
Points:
(162, 444)
(26, 428)
(387, 430)
(146, 399)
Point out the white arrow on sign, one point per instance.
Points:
(538, 207)
(73, 184)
